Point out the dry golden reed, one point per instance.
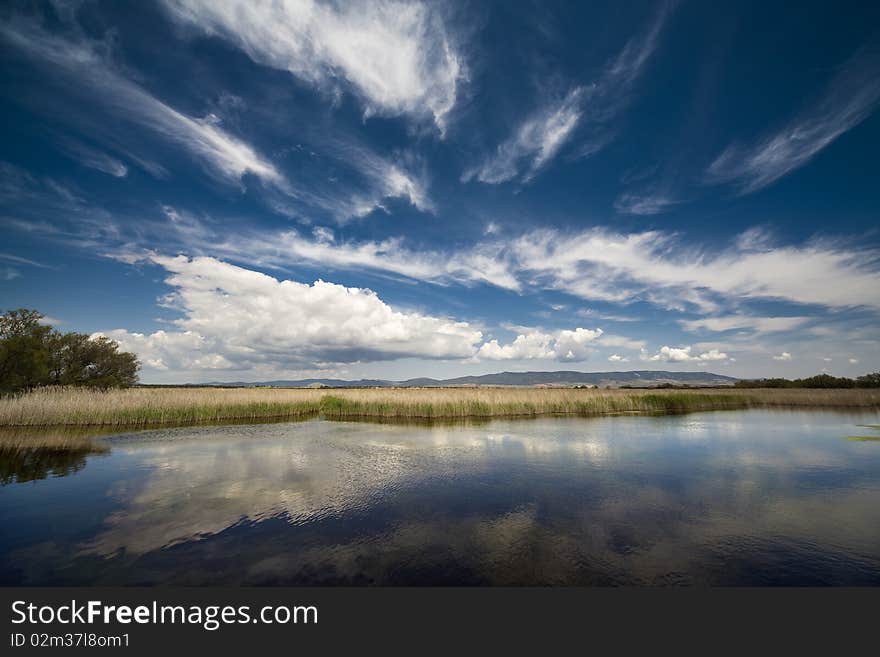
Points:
(135, 407)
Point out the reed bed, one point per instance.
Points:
(136, 407)
(139, 407)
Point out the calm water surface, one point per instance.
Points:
(730, 498)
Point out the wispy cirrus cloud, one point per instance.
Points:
(482, 263)
(654, 266)
(94, 158)
(744, 322)
(9, 257)
(589, 109)
(395, 56)
(371, 178)
(849, 99)
(644, 204)
(613, 91)
(222, 153)
(537, 140)
(597, 264)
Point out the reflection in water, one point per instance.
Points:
(752, 497)
(23, 464)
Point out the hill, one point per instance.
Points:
(642, 378)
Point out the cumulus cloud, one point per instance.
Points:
(783, 356)
(851, 97)
(683, 355)
(534, 144)
(395, 56)
(567, 345)
(224, 154)
(617, 358)
(235, 319)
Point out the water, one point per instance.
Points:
(724, 498)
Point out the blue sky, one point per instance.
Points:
(256, 190)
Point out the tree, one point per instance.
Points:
(24, 357)
(32, 355)
(77, 359)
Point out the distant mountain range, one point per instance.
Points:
(642, 378)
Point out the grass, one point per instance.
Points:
(143, 407)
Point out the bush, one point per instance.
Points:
(33, 355)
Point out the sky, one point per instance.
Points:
(256, 190)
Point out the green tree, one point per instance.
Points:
(32, 355)
(76, 359)
(24, 354)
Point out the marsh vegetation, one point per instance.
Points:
(140, 407)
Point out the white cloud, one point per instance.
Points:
(524, 347)
(235, 319)
(533, 144)
(608, 96)
(482, 263)
(683, 355)
(575, 345)
(224, 154)
(95, 159)
(853, 361)
(371, 178)
(543, 133)
(396, 56)
(609, 340)
(851, 97)
(598, 264)
(756, 324)
(643, 204)
(567, 345)
(616, 358)
(783, 356)
(9, 257)
(386, 179)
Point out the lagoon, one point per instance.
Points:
(749, 497)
